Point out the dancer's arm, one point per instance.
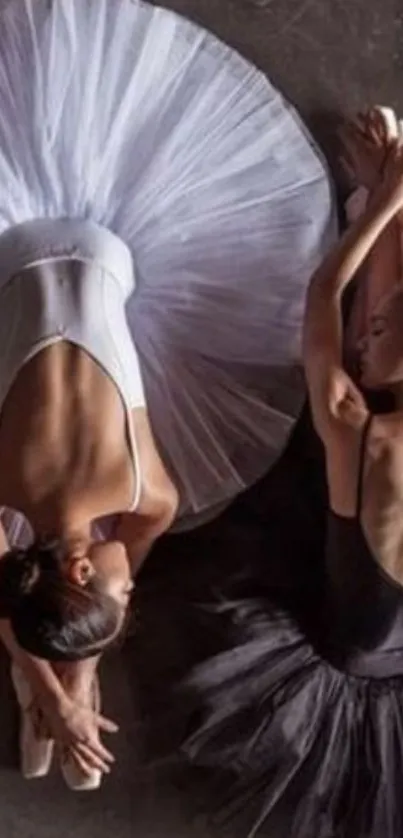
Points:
(39, 673)
(334, 397)
(139, 533)
(70, 723)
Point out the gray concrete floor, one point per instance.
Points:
(328, 57)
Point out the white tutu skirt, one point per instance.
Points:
(133, 117)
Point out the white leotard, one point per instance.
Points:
(66, 280)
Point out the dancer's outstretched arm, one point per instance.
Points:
(334, 397)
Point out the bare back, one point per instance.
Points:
(63, 435)
(380, 454)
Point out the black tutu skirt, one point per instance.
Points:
(284, 743)
(297, 749)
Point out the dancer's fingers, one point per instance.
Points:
(384, 123)
(106, 724)
(92, 759)
(360, 125)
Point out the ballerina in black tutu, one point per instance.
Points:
(312, 733)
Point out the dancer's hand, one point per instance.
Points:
(362, 155)
(76, 728)
(392, 181)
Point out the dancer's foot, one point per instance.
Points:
(36, 745)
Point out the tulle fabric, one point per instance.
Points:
(133, 117)
(300, 748)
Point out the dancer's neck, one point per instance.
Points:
(53, 522)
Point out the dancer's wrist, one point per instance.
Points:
(387, 200)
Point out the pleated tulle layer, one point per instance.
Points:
(133, 117)
(301, 749)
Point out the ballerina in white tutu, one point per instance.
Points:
(161, 212)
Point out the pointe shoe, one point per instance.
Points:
(74, 777)
(36, 748)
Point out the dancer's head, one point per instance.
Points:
(66, 603)
(382, 356)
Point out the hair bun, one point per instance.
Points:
(19, 572)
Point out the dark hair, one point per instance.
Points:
(51, 617)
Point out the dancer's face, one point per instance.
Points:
(107, 563)
(112, 569)
(382, 356)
